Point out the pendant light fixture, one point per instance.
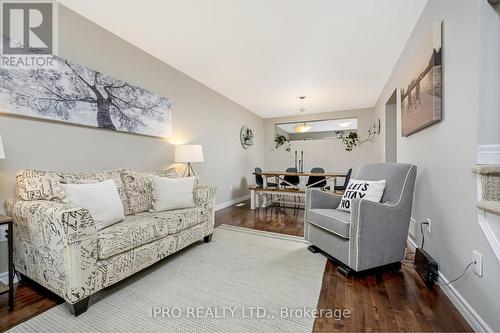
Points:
(302, 127)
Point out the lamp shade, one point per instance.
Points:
(188, 153)
(2, 152)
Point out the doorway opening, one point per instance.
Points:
(391, 137)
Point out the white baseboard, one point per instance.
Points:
(469, 314)
(4, 278)
(488, 154)
(412, 243)
(231, 202)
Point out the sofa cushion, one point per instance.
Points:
(143, 228)
(332, 220)
(101, 199)
(99, 176)
(173, 193)
(139, 189)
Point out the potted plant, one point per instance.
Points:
(280, 140)
(350, 140)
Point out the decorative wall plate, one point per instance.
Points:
(246, 137)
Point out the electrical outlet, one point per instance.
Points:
(478, 258)
(3, 233)
(428, 220)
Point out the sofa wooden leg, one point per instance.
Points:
(79, 307)
(208, 238)
(23, 278)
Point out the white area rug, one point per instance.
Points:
(237, 283)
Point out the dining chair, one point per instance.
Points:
(294, 180)
(259, 180)
(341, 188)
(316, 181)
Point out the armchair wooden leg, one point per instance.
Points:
(313, 248)
(344, 270)
(79, 307)
(396, 266)
(207, 239)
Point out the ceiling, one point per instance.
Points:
(330, 125)
(263, 54)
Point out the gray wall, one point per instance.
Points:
(329, 154)
(200, 116)
(391, 143)
(445, 152)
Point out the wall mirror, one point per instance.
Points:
(316, 129)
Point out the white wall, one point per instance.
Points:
(328, 154)
(200, 115)
(489, 71)
(446, 151)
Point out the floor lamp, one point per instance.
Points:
(188, 154)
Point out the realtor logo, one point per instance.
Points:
(28, 26)
(28, 31)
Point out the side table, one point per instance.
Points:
(6, 220)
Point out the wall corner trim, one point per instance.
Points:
(231, 202)
(488, 154)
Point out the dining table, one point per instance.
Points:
(296, 190)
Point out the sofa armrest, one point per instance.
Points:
(55, 244)
(204, 196)
(378, 232)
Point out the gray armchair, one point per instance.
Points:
(373, 234)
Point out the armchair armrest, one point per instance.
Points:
(55, 244)
(378, 233)
(316, 198)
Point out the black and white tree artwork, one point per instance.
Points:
(76, 94)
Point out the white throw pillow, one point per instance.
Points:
(173, 193)
(101, 199)
(365, 189)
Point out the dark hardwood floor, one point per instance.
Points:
(393, 301)
(379, 301)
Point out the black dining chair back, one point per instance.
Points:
(347, 178)
(294, 180)
(316, 181)
(259, 181)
